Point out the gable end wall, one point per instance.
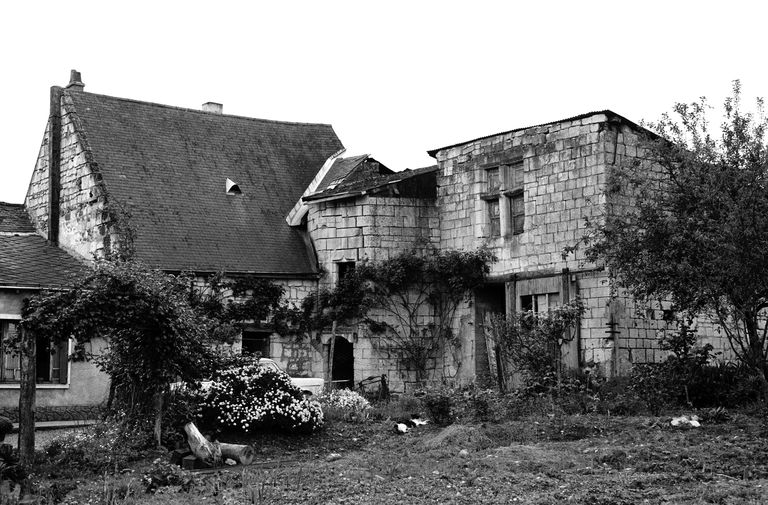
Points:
(86, 223)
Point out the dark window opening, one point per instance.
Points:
(539, 302)
(345, 268)
(256, 343)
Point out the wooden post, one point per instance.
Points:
(27, 391)
(159, 418)
(499, 369)
(330, 356)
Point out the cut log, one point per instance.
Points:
(243, 454)
(208, 452)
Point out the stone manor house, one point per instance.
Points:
(208, 192)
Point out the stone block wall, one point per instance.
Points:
(564, 178)
(369, 227)
(86, 222)
(565, 167)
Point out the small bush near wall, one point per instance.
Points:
(345, 405)
(398, 407)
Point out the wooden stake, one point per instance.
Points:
(330, 356)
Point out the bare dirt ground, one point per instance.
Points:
(593, 460)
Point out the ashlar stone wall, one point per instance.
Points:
(369, 228)
(564, 169)
(372, 228)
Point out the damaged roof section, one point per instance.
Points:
(26, 259)
(372, 178)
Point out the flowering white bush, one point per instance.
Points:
(251, 397)
(346, 403)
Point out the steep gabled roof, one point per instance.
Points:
(168, 167)
(608, 113)
(26, 259)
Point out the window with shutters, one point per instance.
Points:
(52, 361)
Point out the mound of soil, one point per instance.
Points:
(457, 435)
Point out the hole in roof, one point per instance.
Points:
(335, 183)
(232, 187)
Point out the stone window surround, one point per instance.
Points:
(504, 194)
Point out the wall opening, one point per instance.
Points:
(343, 364)
(489, 300)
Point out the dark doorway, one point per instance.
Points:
(489, 300)
(343, 365)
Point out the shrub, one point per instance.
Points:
(399, 406)
(615, 397)
(344, 404)
(182, 405)
(469, 403)
(439, 402)
(251, 397)
(687, 378)
(108, 444)
(163, 473)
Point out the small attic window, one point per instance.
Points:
(232, 187)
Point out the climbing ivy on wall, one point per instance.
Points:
(408, 300)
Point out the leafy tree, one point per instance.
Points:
(154, 335)
(410, 299)
(690, 222)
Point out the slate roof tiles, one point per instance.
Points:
(168, 166)
(26, 259)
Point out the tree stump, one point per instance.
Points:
(208, 452)
(213, 453)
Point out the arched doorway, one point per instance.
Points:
(343, 364)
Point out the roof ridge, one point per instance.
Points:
(433, 152)
(198, 111)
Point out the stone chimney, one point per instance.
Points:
(213, 107)
(75, 81)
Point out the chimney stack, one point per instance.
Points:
(75, 81)
(213, 107)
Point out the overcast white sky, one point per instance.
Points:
(394, 78)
